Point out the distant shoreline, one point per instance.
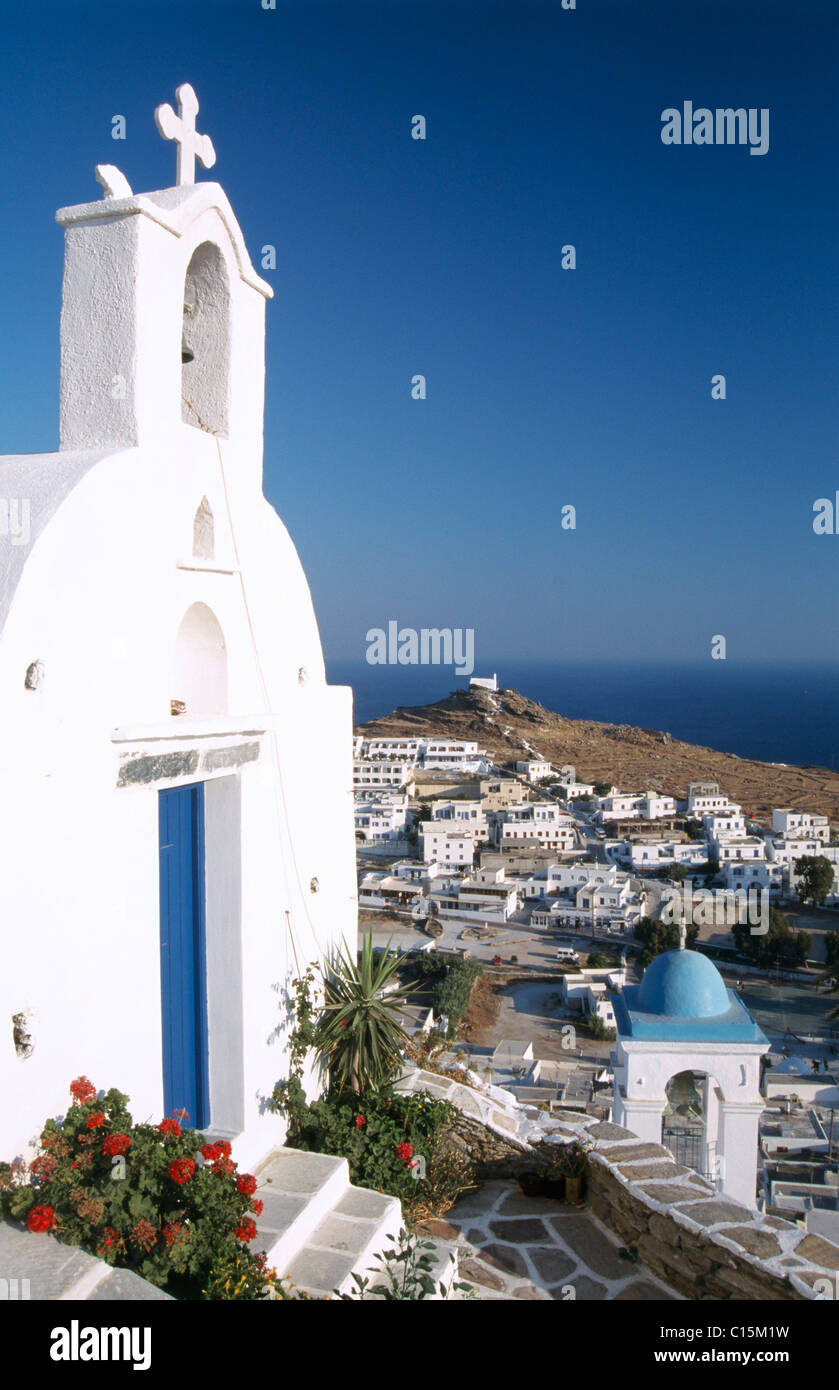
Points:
(780, 713)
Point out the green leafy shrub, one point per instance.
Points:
(157, 1199)
(393, 1142)
(601, 1030)
(406, 1273)
(428, 965)
(454, 990)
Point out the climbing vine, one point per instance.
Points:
(289, 1096)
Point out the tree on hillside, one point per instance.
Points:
(602, 788)
(831, 951)
(778, 946)
(660, 936)
(815, 878)
(677, 873)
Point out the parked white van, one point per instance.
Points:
(567, 953)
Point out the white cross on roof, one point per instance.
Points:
(182, 129)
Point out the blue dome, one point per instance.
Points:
(683, 984)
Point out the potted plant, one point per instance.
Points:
(573, 1161)
(532, 1184)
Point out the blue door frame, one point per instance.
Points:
(183, 961)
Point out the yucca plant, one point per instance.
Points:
(359, 1034)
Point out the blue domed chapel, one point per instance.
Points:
(682, 1021)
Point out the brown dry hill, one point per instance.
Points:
(633, 759)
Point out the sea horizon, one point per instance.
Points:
(773, 711)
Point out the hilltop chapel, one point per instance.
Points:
(175, 774)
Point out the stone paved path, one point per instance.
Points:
(535, 1248)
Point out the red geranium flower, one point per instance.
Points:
(41, 1219)
(223, 1146)
(246, 1184)
(211, 1152)
(257, 1207)
(247, 1230)
(44, 1166)
(181, 1170)
(82, 1090)
(116, 1144)
(174, 1232)
(144, 1235)
(169, 1127)
(111, 1237)
(224, 1167)
(405, 1151)
(360, 1122)
(95, 1120)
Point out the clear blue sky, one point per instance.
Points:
(396, 256)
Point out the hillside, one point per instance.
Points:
(634, 759)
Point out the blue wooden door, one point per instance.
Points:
(183, 969)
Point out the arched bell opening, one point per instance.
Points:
(205, 341)
(690, 1121)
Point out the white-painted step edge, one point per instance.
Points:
(319, 1203)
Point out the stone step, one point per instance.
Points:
(36, 1266)
(298, 1190)
(346, 1241)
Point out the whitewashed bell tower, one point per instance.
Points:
(163, 315)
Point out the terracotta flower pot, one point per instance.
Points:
(573, 1189)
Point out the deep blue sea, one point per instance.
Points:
(783, 713)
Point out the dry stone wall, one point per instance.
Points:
(701, 1244)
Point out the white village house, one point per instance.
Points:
(167, 870)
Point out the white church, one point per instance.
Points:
(175, 773)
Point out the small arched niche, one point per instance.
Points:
(205, 341)
(201, 664)
(204, 532)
